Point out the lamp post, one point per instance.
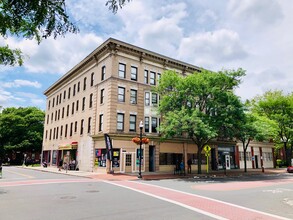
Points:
(140, 142)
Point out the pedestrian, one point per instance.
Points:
(189, 162)
(182, 167)
(60, 164)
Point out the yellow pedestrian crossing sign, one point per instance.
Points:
(207, 149)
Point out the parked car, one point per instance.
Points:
(290, 169)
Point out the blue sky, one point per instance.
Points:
(255, 35)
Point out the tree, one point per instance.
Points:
(33, 19)
(200, 106)
(114, 5)
(253, 127)
(279, 108)
(21, 129)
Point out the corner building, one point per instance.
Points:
(110, 91)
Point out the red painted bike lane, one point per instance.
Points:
(207, 206)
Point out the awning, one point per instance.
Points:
(71, 146)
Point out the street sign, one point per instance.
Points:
(207, 150)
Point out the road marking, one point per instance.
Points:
(46, 181)
(171, 201)
(204, 205)
(20, 174)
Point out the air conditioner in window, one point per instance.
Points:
(133, 102)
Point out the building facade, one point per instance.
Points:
(110, 91)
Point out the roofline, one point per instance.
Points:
(107, 44)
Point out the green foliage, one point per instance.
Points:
(21, 129)
(34, 19)
(114, 5)
(277, 108)
(200, 106)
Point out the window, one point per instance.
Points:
(154, 125)
(83, 103)
(54, 133)
(158, 76)
(50, 137)
(102, 96)
(69, 92)
(133, 96)
(84, 83)
(57, 132)
(71, 127)
(57, 99)
(103, 73)
(60, 98)
(154, 99)
(146, 76)
(152, 78)
(101, 122)
(53, 102)
(147, 124)
(63, 112)
(48, 118)
(58, 114)
(46, 134)
(89, 125)
(66, 128)
(72, 108)
(91, 100)
(77, 105)
(122, 70)
(61, 131)
(64, 95)
(52, 116)
(120, 122)
(134, 73)
(81, 126)
(92, 79)
(78, 86)
(67, 114)
(74, 88)
(49, 105)
(147, 99)
(121, 94)
(132, 123)
(75, 127)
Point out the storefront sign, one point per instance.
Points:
(109, 147)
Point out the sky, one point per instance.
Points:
(255, 35)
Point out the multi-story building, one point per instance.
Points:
(110, 91)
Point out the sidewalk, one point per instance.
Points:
(159, 175)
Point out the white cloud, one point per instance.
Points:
(20, 83)
(212, 48)
(260, 13)
(56, 56)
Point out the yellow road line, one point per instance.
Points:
(28, 176)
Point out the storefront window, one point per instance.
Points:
(54, 157)
(101, 158)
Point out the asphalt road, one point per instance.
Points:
(29, 194)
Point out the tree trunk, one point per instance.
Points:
(245, 165)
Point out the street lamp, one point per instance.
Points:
(140, 142)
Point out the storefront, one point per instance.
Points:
(226, 157)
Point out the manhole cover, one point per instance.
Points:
(93, 191)
(68, 197)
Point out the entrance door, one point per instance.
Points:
(256, 161)
(227, 160)
(152, 154)
(128, 162)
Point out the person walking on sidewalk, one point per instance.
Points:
(189, 162)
